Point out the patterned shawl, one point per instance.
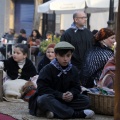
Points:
(55, 63)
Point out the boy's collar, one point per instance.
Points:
(56, 64)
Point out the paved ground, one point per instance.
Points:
(20, 111)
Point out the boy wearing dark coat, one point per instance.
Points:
(58, 92)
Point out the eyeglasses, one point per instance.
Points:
(82, 18)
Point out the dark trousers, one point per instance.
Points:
(60, 108)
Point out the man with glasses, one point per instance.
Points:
(79, 36)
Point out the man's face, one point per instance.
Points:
(80, 19)
(64, 59)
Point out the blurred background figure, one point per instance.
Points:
(15, 38)
(61, 32)
(34, 40)
(7, 40)
(22, 36)
(9, 35)
(49, 56)
(49, 35)
(94, 32)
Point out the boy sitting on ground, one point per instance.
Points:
(58, 88)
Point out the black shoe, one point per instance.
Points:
(83, 114)
(39, 113)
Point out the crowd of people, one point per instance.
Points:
(81, 58)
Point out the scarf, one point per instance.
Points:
(56, 64)
(73, 26)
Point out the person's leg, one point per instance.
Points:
(81, 103)
(80, 106)
(48, 102)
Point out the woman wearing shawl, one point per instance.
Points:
(96, 58)
(108, 74)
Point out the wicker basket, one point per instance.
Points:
(102, 104)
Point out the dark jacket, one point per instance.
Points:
(43, 62)
(11, 67)
(21, 38)
(82, 40)
(49, 83)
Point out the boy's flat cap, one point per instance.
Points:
(64, 45)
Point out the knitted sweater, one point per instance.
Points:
(82, 41)
(94, 62)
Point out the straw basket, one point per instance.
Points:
(102, 104)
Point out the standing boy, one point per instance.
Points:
(58, 92)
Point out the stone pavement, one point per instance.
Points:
(20, 111)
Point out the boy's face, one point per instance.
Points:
(18, 55)
(65, 59)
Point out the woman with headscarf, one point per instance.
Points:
(96, 58)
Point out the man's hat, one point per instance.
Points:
(64, 45)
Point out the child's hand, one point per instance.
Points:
(67, 96)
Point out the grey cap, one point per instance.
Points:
(64, 45)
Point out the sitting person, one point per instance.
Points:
(34, 40)
(49, 56)
(15, 38)
(17, 68)
(22, 36)
(9, 37)
(49, 36)
(108, 74)
(96, 58)
(58, 88)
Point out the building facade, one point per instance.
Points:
(19, 14)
